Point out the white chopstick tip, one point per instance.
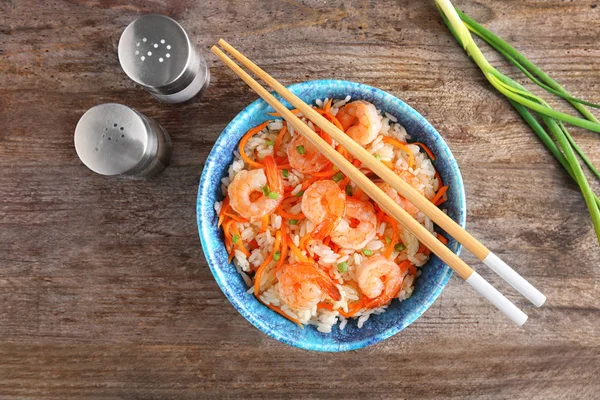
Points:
(514, 279)
(496, 298)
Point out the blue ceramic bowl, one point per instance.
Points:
(399, 315)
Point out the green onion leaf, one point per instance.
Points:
(300, 193)
(399, 247)
(343, 266)
(526, 103)
(269, 142)
(273, 195)
(301, 150)
(387, 240)
(338, 177)
(277, 255)
(235, 239)
(285, 173)
(293, 222)
(367, 252)
(377, 157)
(349, 190)
(265, 190)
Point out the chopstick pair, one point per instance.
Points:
(384, 201)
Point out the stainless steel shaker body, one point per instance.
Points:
(113, 139)
(156, 52)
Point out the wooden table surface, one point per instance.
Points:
(104, 290)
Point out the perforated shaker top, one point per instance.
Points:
(155, 51)
(113, 139)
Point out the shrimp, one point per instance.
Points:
(304, 156)
(257, 192)
(347, 234)
(401, 201)
(322, 199)
(301, 285)
(379, 279)
(360, 121)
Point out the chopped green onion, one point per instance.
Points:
(269, 142)
(301, 150)
(293, 222)
(343, 266)
(387, 240)
(273, 195)
(377, 157)
(265, 190)
(349, 190)
(235, 239)
(338, 177)
(367, 252)
(277, 255)
(399, 247)
(300, 193)
(285, 173)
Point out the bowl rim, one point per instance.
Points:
(207, 244)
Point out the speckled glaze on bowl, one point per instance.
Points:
(428, 286)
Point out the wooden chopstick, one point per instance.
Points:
(405, 190)
(384, 201)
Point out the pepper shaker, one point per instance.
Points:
(113, 139)
(156, 53)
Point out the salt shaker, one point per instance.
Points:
(113, 139)
(156, 53)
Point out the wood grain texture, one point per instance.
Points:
(104, 291)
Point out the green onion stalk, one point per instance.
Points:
(554, 135)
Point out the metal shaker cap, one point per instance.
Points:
(156, 52)
(113, 139)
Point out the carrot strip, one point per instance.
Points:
(404, 265)
(303, 240)
(245, 139)
(440, 202)
(388, 164)
(280, 312)
(412, 270)
(224, 207)
(342, 184)
(351, 310)
(334, 247)
(331, 118)
(240, 243)
(358, 192)
(390, 248)
(283, 254)
(308, 182)
(236, 218)
(284, 166)
(287, 215)
(328, 105)
(228, 241)
(380, 216)
(264, 223)
(325, 174)
(261, 269)
(442, 238)
(439, 178)
(427, 150)
(403, 147)
(296, 251)
(439, 194)
(279, 139)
